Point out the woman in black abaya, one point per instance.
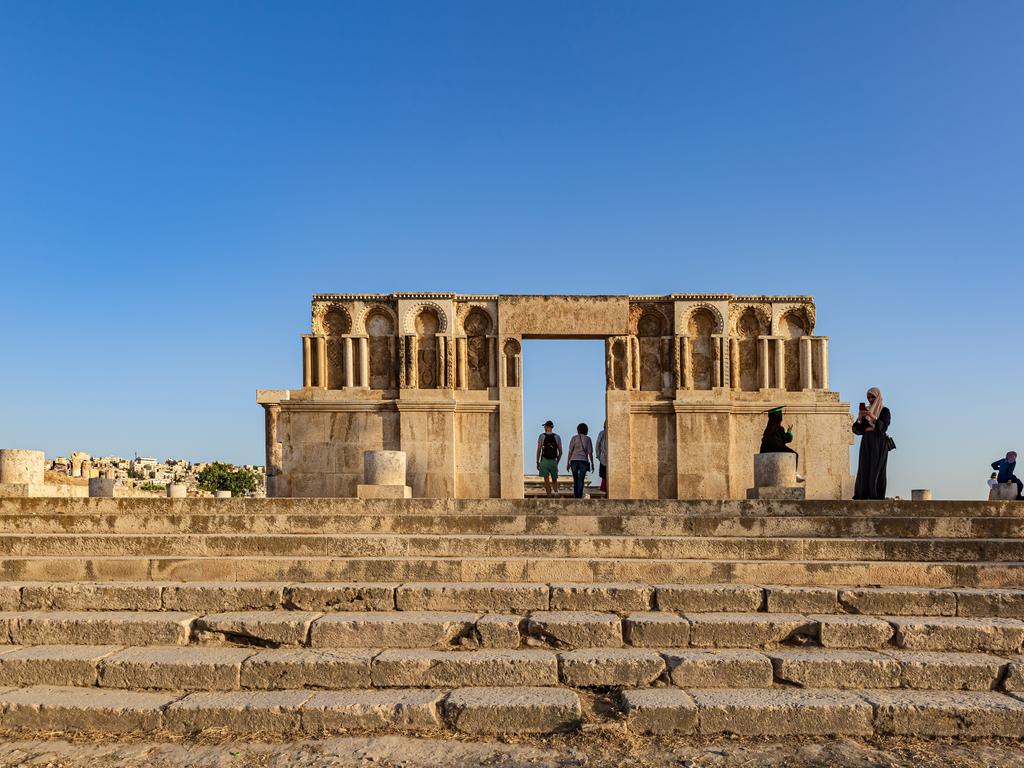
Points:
(872, 425)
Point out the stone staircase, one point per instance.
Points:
(322, 616)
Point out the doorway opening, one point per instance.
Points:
(564, 381)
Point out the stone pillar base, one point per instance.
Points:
(101, 487)
(383, 491)
(1003, 492)
(786, 492)
(921, 494)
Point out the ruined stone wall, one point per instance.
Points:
(439, 376)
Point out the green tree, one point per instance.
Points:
(219, 476)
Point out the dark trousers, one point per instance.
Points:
(1020, 485)
(579, 473)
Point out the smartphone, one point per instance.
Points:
(863, 407)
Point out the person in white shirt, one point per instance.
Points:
(580, 459)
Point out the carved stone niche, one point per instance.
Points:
(428, 354)
(512, 351)
(380, 326)
(617, 362)
(477, 327)
(652, 327)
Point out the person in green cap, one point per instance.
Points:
(776, 438)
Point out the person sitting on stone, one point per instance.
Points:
(549, 453)
(1004, 472)
(776, 438)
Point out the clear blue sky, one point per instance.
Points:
(176, 179)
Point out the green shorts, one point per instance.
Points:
(548, 468)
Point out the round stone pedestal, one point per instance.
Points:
(774, 469)
(384, 467)
(222, 494)
(921, 494)
(23, 467)
(177, 490)
(101, 487)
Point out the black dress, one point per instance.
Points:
(775, 441)
(874, 453)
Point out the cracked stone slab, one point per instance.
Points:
(999, 603)
(660, 711)
(825, 668)
(615, 598)
(782, 712)
(326, 597)
(373, 710)
(898, 601)
(396, 629)
(708, 598)
(492, 711)
(472, 596)
(55, 708)
(656, 629)
(947, 713)
(177, 668)
(932, 670)
(452, 669)
(730, 668)
(575, 629)
(77, 596)
(496, 630)
(53, 665)
(100, 628)
(238, 711)
(739, 630)
(257, 627)
(590, 667)
(296, 668)
(941, 633)
(218, 597)
(849, 631)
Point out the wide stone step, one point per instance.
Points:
(333, 507)
(487, 546)
(518, 710)
(817, 712)
(497, 597)
(178, 668)
(560, 630)
(918, 526)
(980, 574)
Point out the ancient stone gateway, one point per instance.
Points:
(439, 376)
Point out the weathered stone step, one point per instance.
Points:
(497, 597)
(401, 545)
(481, 710)
(981, 574)
(177, 668)
(560, 630)
(332, 507)
(785, 712)
(918, 526)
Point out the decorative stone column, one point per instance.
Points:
(461, 365)
(780, 363)
(685, 363)
(307, 362)
(321, 361)
(823, 358)
(273, 452)
(763, 364)
(492, 371)
(668, 364)
(717, 361)
(775, 477)
(734, 359)
(806, 371)
(364, 361)
(634, 362)
(384, 476)
(349, 367)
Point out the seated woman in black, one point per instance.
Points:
(776, 438)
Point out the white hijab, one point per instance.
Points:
(875, 408)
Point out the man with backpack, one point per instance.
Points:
(549, 452)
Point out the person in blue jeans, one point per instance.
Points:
(1004, 469)
(580, 458)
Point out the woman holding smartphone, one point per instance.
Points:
(872, 425)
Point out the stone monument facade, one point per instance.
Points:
(688, 378)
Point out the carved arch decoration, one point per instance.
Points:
(379, 324)
(464, 309)
(409, 321)
(511, 352)
(322, 310)
(477, 324)
(715, 313)
(376, 308)
(763, 312)
(643, 313)
(806, 312)
(794, 322)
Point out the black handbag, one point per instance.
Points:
(890, 443)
